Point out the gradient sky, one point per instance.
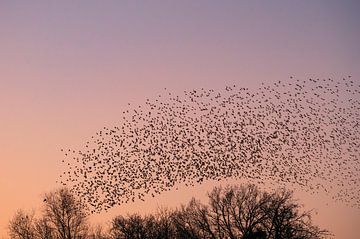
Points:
(69, 68)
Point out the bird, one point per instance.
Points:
(301, 132)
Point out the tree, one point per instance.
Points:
(192, 221)
(64, 215)
(135, 226)
(43, 229)
(97, 232)
(235, 212)
(21, 226)
(245, 212)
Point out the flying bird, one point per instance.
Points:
(302, 132)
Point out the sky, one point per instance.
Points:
(69, 68)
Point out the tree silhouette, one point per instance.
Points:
(135, 226)
(235, 212)
(246, 212)
(65, 215)
(98, 232)
(43, 229)
(21, 226)
(63, 218)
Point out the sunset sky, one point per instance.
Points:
(69, 68)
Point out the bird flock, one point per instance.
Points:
(297, 132)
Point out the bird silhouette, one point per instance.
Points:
(299, 132)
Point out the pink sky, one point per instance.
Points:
(69, 68)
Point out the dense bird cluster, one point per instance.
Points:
(302, 132)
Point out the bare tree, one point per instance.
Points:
(286, 220)
(65, 215)
(43, 229)
(21, 226)
(193, 221)
(246, 212)
(157, 226)
(163, 224)
(98, 232)
(235, 212)
(130, 227)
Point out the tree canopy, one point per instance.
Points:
(235, 212)
(243, 212)
(63, 217)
